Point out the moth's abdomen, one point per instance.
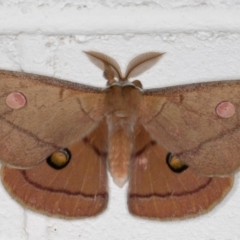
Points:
(119, 146)
(119, 152)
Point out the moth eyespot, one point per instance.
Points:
(137, 83)
(175, 164)
(225, 109)
(16, 100)
(59, 159)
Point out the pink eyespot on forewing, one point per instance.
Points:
(225, 109)
(16, 100)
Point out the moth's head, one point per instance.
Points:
(136, 83)
(114, 79)
(112, 72)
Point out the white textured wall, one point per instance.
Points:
(202, 41)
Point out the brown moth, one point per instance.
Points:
(177, 146)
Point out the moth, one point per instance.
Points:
(178, 147)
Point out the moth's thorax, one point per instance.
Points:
(122, 106)
(122, 101)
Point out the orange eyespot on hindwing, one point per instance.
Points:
(16, 100)
(175, 164)
(59, 159)
(225, 109)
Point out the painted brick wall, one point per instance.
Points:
(202, 42)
